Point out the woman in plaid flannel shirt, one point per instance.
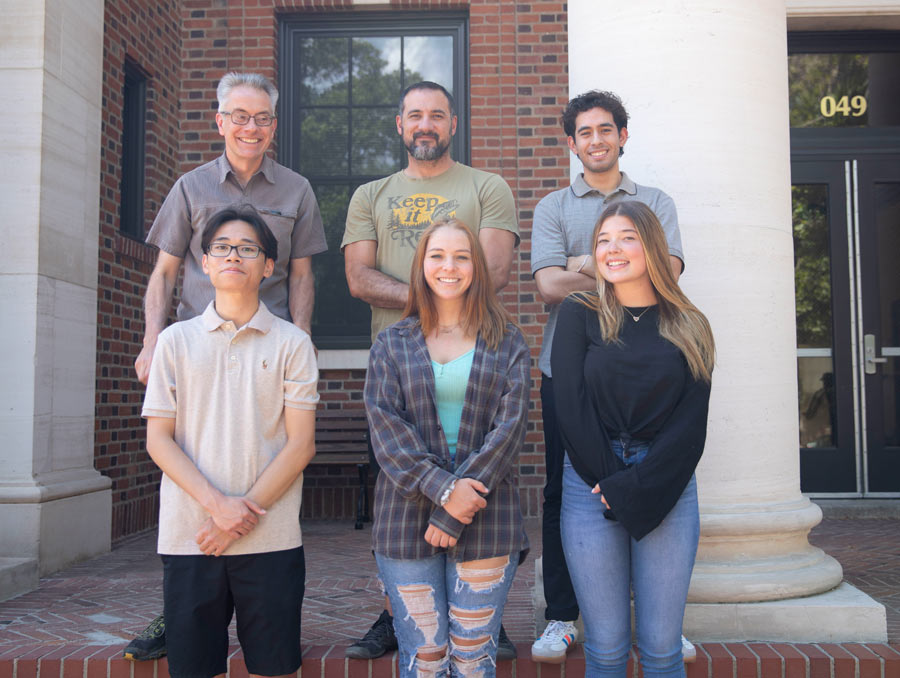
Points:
(447, 397)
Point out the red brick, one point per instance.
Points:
(747, 661)
(795, 663)
(891, 657)
(700, 667)
(819, 662)
(771, 664)
(870, 664)
(722, 661)
(385, 666)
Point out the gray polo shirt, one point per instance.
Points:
(564, 221)
(284, 199)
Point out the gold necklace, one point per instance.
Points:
(447, 329)
(636, 317)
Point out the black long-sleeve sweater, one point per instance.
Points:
(640, 389)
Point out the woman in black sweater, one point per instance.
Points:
(631, 366)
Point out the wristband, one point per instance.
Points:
(446, 496)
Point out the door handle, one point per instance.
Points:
(869, 353)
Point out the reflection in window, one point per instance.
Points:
(812, 280)
(818, 417)
(844, 90)
(338, 126)
(812, 265)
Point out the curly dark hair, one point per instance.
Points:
(594, 99)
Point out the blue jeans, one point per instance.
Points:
(437, 603)
(606, 564)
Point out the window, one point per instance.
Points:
(341, 78)
(131, 206)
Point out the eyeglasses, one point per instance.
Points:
(221, 249)
(243, 117)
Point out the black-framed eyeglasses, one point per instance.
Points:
(221, 249)
(243, 117)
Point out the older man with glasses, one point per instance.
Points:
(243, 174)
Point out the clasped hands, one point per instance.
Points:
(230, 519)
(597, 490)
(465, 501)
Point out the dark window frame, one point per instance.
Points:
(131, 184)
(294, 27)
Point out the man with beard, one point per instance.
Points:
(384, 221)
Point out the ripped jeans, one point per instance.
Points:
(443, 607)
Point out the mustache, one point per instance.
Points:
(419, 135)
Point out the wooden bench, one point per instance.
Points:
(342, 437)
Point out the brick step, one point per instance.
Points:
(714, 660)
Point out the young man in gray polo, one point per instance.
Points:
(244, 173)
(596, 127)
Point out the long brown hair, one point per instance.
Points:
(481, 313)
(680, 322)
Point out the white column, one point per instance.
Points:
(54, 507)
(705, 84)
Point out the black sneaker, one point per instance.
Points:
(150, 644)
(506, 651)
(378, 640)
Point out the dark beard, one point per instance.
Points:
(428, 153)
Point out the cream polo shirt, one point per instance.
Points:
(227, 388)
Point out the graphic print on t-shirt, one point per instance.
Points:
(410, 215)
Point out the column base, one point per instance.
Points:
(757, 552)
(842, 615)
(57, 520)
(17, 576)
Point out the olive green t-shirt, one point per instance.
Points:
(394, 212)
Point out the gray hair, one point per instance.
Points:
(234, 79)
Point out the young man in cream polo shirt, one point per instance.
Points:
(230, 410)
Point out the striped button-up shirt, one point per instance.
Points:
(412, 451)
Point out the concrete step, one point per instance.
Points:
(714, 660)
(17, 576)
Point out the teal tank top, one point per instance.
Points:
(450, 382)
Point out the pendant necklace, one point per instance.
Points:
(639, 315)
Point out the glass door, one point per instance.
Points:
(878, 183)
(822, 212)
(846, 222)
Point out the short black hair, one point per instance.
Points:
(594, 99)
(247, 214)
(426, 84)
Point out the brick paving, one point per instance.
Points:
(88, 612)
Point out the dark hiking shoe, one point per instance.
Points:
(506, 651)
(378, 640)
(150, 644)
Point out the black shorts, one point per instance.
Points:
(201, 593)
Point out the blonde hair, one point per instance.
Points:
(680, 322)
(482, 312)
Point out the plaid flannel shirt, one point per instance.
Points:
(412, 451)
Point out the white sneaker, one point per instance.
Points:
(557, 639)
(688, 651)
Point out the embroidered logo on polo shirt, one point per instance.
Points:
(265, 364)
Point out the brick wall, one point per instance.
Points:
(148, 35)
(518, 85)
